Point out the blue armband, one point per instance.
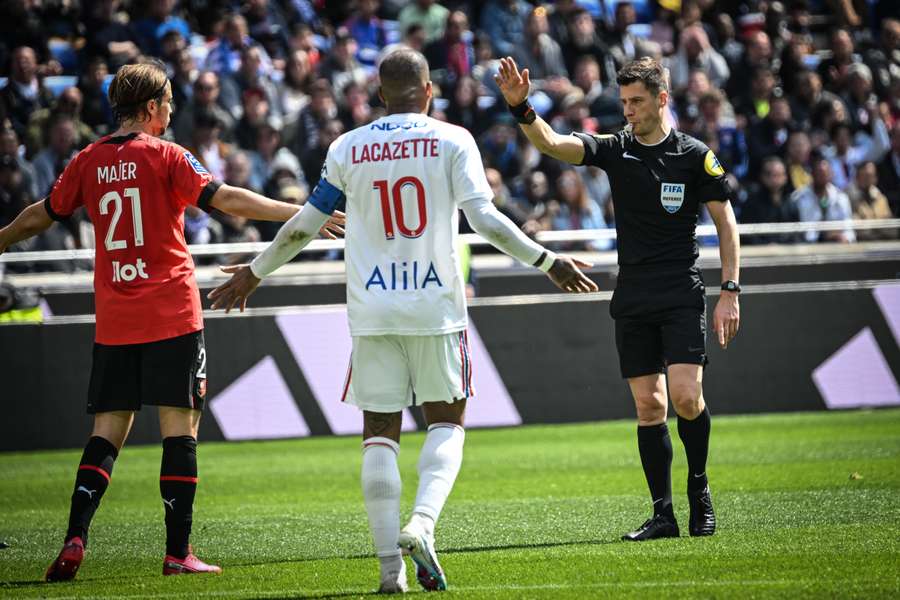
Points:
(326, 197)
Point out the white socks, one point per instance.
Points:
(381, 491)
(439, 463)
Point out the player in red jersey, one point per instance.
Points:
(149, 345)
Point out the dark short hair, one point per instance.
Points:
(646, 70)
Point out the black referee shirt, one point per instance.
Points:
(657, 192)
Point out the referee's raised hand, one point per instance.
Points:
(567, 276)
(513, 85)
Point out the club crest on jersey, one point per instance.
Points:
(712, 165)
(671, 196)
(195, 164)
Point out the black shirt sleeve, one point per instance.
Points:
(598, 149)
(712, 184)
(206, 194)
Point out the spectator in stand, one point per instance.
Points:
(207, 144)
(576, 210)
(499, 148)
(797, 159)
(184, 72)
(257, 112)
(267, 25)
(367, 29)
(427, 13)
(868, 202)
(341, 66)
(224, 56)
(354, 110)
(321, 109)
(95, 111)
(849, 151)
(539, 51)
(833, 70)
(159, 20)
(560, 13)
(884, 59)
(14, 193)
(452, 55)
(769, 202)
(68, 103)
(294, 88)
(10, 146)
(465, 110)
(822, 201)
(767, 137)
(757, 55)
(889, 172)
(205, 99)
(313, 159)
(794, 60)
(732, 146)
(574, 115)
(726, 41)
(621, 41)
(504, 23)
(21, 24)
(509, 206)
(251, 77)
(809, 99)
(303, 38)
(108, 36)
(236, 229)
(24, 93)
(859, 98)
(695, 52)
(754, 105)
(62, 146)
(583, 40)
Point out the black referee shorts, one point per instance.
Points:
(169, 372)
(660, 320)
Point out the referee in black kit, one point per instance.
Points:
(659, 178)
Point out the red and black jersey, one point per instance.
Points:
(135, 189)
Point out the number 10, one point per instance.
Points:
(396, 193)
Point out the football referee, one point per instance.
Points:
(659, 178)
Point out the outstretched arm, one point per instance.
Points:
(30, 222)
(240, 202)
(291, 239)
(496, 228)
(515, 85)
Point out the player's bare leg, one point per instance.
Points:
(381, 491)
(655, 446)
(686, 390)
(439, 463)
(178, 485)
(94, 471)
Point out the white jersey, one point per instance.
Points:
(404, 177)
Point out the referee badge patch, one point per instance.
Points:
(712, 165)
(671, 195)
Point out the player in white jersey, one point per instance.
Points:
(403, 178)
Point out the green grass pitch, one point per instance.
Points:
(807, 506)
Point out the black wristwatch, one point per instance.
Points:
(731, 286)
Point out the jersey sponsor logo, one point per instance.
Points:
(128, 272)
(712, 165)
(394, 126)
(198, 168)
(671, 195)
(404, 276)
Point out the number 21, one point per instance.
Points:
(114, 197)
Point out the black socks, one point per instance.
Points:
(656, 456)
(91, 481)
(695, 436)
(177, 485)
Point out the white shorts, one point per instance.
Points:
(391, 372)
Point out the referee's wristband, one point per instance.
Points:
(545, 261)
(524, 112)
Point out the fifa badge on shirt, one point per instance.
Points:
(671, 196)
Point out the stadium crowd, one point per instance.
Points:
(799, 99)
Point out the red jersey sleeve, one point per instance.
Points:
(65, 196)
(191, 182)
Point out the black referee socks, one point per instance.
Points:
(91, 481)
(695, 437)
(177, 485)
(655, 447)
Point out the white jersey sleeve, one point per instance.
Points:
(468, 181)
